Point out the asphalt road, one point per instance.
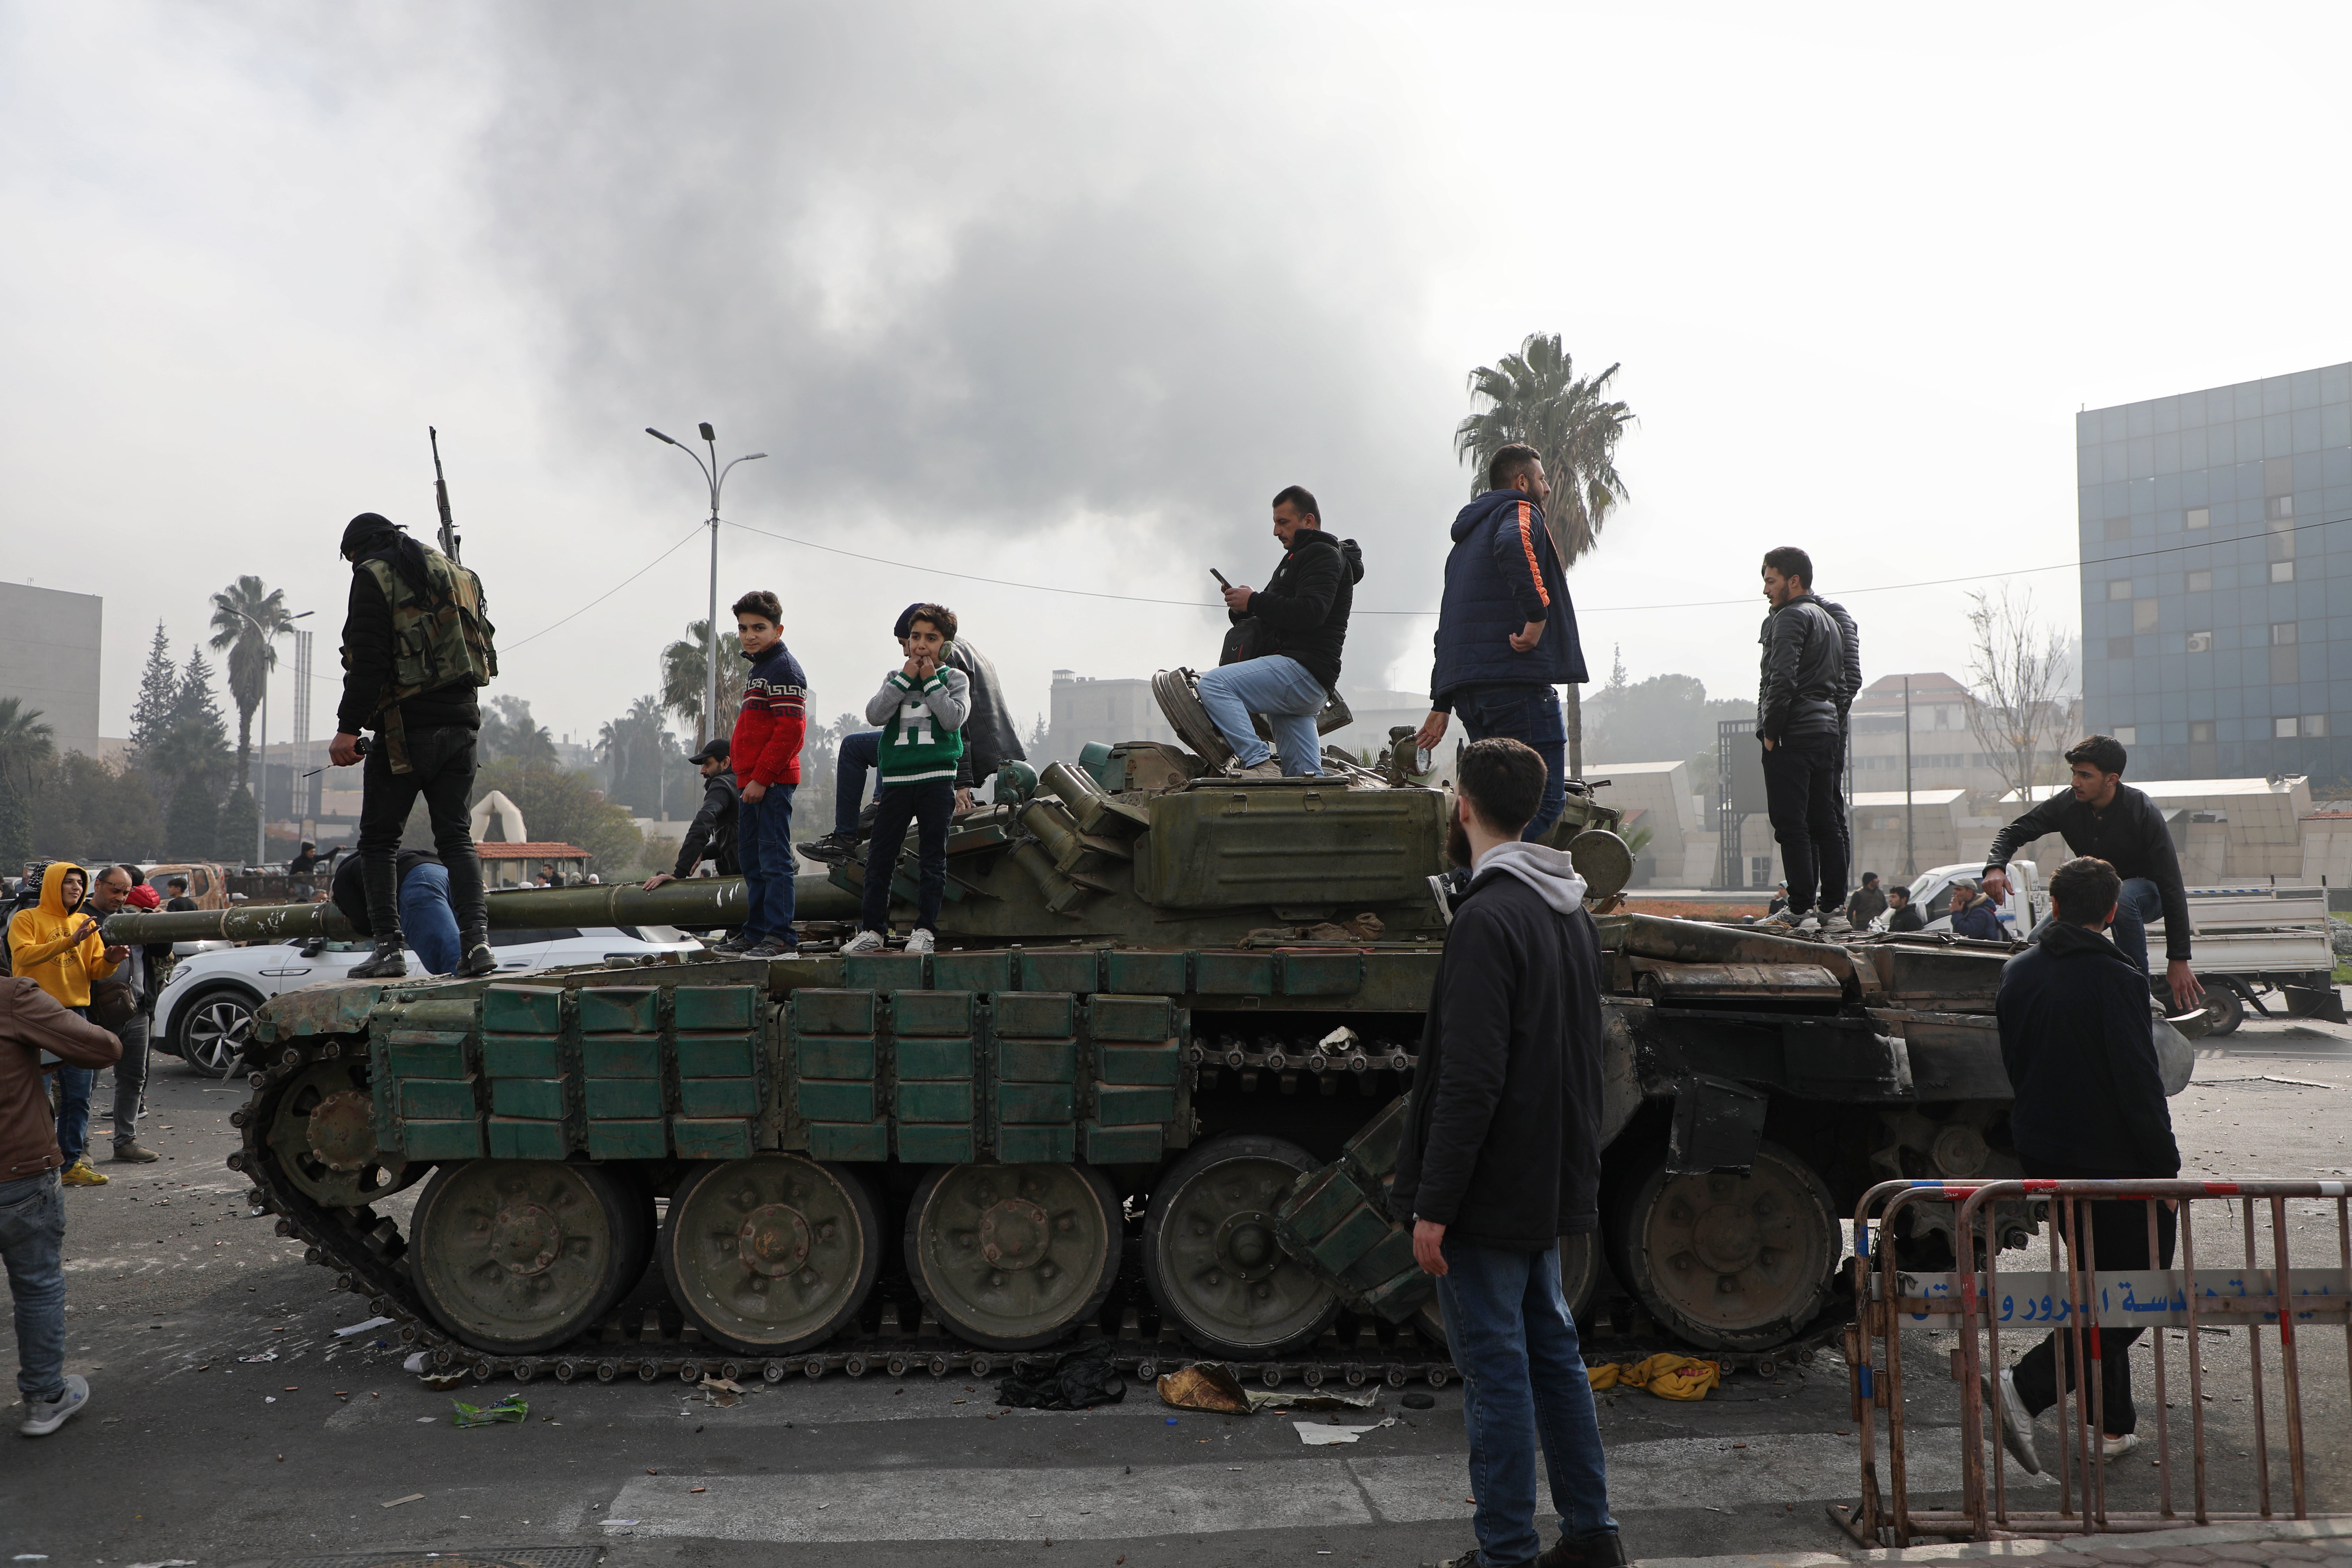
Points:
(194, 1450)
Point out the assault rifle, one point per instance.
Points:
(441, 495)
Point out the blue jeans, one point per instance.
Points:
(1279, 686)
(32, 1244)
(860, 754)
(425, 918)
(764, 841)
(2140, 901)
(74, 1084)
(1529, 714)
(1523, 1384)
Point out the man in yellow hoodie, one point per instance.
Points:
(57, 947)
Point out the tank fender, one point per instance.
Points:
(342, 1007)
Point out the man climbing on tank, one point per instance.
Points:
(2103, 817)
(712, 835)
(1506, 631)
(416, 648)
(991, 740)
(1293, 665)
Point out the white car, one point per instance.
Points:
(204, 1014)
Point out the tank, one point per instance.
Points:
(1150, 1086)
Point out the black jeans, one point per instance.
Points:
(2118, 1242)
(1808, 809)
(441, 762)
(930, 803)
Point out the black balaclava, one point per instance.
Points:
(372, 534)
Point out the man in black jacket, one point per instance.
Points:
(415, 651)
(712, 835)
(2104, 817)
(2076, 1040)
(1902, 915)
(1302, 613)
(1811, 669)
(1502, 1156)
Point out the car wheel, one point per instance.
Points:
(214, 1027)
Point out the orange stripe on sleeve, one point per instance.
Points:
(1527, 544)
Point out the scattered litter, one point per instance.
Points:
(360, 1328)
(30, 1557)
(166, 1563)
(1419, 1402)
(1315, 1436)
(1665, 1374)
(413, 1496)
(1204, 1385)
(1074, 1379)
(511, 1408)
(698, 1489)
(415, 1362)
(429, 1421)
(439, 1380)
(270, 1399)
(723, 1391)
(265, 1355)
(1314, 1399)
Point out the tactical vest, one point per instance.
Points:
(450, 645)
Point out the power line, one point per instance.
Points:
(611, 591)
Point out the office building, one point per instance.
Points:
(48, 660)
(2212, 525)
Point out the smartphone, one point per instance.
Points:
(1220, 577)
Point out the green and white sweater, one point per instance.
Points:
(922, 727)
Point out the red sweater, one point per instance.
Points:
(769, 727)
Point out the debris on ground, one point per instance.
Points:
(440, 1380)
(1204, 1385)
(511, 1408)
(1074, 1380)
(1419, 1402)
(415, 1361)
(1316, 1434)
(413, 1496)
(723, 1391)
(265, 1355)
(1665, 1374)
(360, 1328)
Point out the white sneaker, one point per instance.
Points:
(920, 940)
(1779, 920)
(1268, 769)
(1837, 925)
(2114, 1449)
(2016, 1425)
(43, 1416)
(863, 941)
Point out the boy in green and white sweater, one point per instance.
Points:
(921, 708)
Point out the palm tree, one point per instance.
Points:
(1536, 396)
(251, 653)
(684, 672)
(26, 742)
(634, 747)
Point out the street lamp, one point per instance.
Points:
(714, 475)
(261, 791)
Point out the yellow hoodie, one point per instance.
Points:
(43, 949)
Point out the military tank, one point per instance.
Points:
(1148, 1086)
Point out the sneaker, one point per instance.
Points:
(2016, 1425)
(833, 849)
(1837, 925)
(1781, 920)
(1268, 769)
(2114, 1449)
(43, 1416)
(130, 1152)
(771, 947)
(81, 1174)
(741, 941)
(863, 941)
(922, 941)
(387, 962)
(1601, 1549)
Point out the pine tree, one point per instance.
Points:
(192, 748)
(158, 686)
(188, 831)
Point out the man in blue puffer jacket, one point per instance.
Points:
(1506, 630)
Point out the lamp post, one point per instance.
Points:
(262, 790)
(713, 476)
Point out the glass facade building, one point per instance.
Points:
(2216, 532)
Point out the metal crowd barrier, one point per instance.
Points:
(2236, 1295)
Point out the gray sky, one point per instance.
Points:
(1062, 294)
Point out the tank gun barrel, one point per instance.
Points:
(696, 901)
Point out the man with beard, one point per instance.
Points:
(1502, 1157)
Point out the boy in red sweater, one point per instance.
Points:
(766, 750)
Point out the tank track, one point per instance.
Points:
(365, 1251)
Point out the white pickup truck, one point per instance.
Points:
(2250, 942)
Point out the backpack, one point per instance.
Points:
(446, 643)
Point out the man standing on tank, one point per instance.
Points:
(1302, 616)
(417, 649)
(1812, 668)
(1506, 631)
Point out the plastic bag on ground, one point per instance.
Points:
(510, 1408)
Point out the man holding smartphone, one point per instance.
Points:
(1303, 611)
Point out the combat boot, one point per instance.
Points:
(478, 960)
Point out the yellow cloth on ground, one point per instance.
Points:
(1665, 1374)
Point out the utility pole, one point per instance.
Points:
(1910, 858)
(714, 477)
(261, 782)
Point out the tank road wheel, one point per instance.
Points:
(517, 1257)
(1013, 1257)
(1729, 1262)
(771, 1255)
(322, 1130)
(1210, 1257)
